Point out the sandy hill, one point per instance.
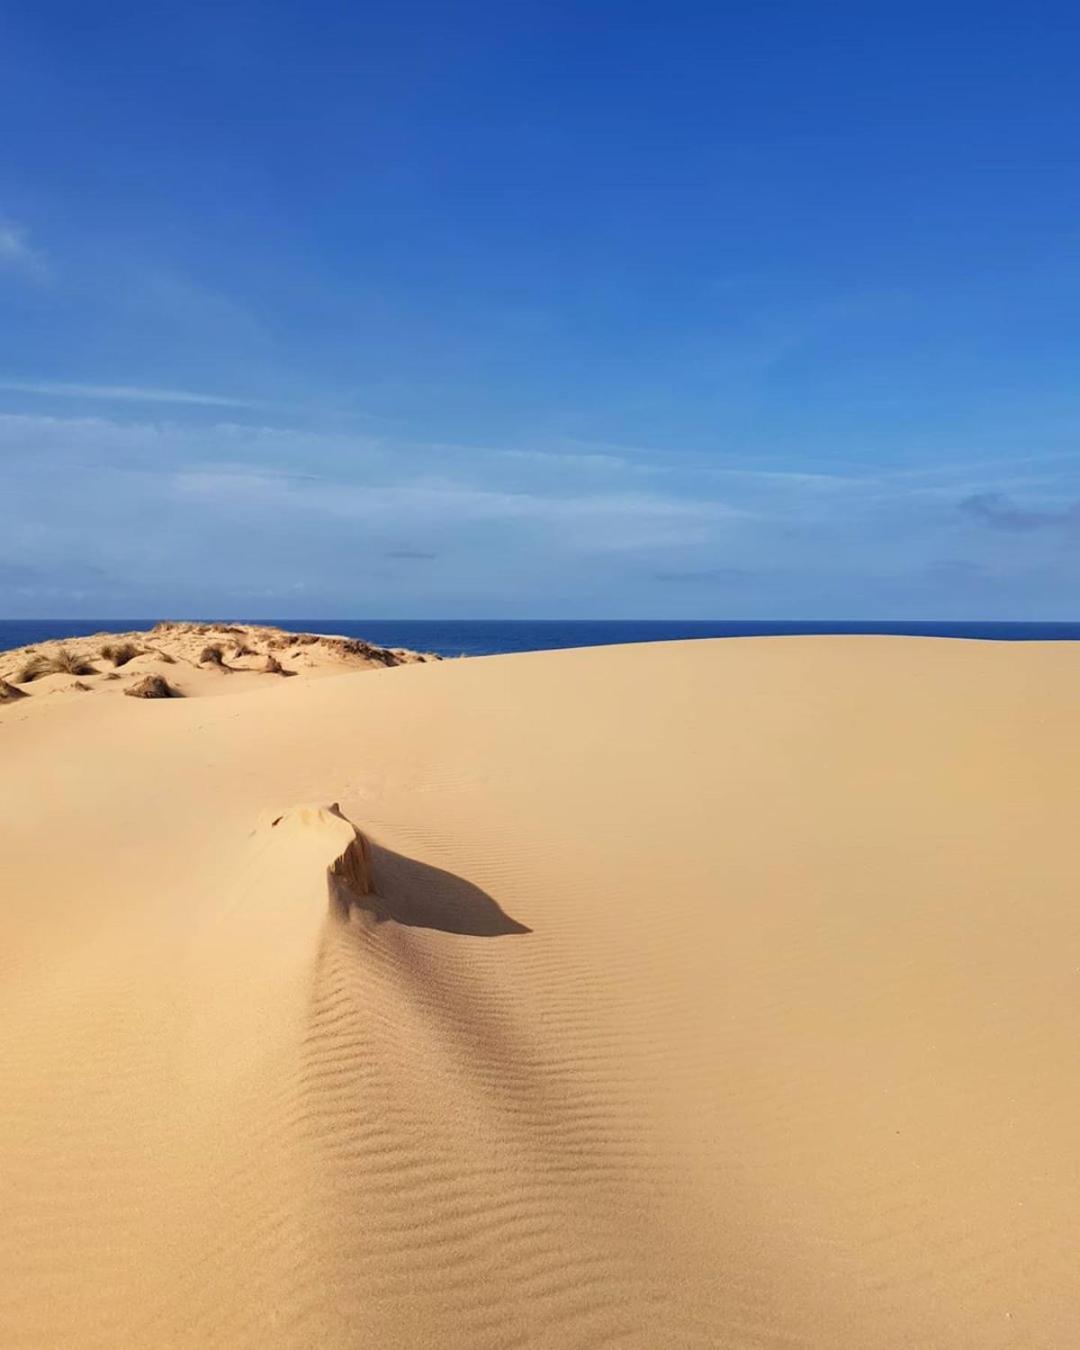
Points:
(684, 995)
(179, 660)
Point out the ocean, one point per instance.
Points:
(489, 637)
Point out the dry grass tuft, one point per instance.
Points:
(212, 656)
(120, 653)
(61, 662)
(9, 693)
(151, 686)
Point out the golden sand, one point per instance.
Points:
(682, 995)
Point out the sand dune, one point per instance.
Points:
(685, 995)
(181, 660)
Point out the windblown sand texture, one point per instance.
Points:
(716, 994)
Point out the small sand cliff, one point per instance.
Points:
(348, 872)
(188, 659)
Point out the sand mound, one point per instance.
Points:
(688, 995)
(206, 651)
(10, 692)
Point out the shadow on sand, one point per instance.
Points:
(418, 895)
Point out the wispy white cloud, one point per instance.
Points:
(124, 393)
(1003, 513)
(181, 507)
(566, 458)
(595, 522)
(16, 255)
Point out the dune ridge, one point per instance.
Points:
(687, 995)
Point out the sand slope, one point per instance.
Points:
(710, 994)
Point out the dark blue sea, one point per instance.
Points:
(487, 637)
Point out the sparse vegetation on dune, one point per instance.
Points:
(120, 653)
(151, 686)
(61, 662)
(222, 647)
(213, 655)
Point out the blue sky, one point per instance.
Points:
(540, 309)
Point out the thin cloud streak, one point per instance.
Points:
(124, 393)
(599, 521)
(1002, 513)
